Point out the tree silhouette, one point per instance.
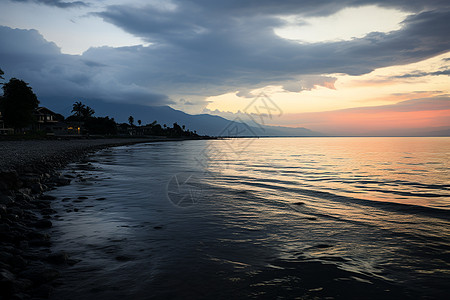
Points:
(1, 74)
(87, 112)
(139, 122)
(81, 111)
(78, 109)
(131, 120)
(18, 103)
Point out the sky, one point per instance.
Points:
(349, 67)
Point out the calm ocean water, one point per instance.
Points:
(308, 218)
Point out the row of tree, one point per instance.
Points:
(18, 104)
(106, 125)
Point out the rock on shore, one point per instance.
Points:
(28, 269)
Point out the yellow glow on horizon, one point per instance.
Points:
(380, 87)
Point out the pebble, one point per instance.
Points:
(27, 171)
(58, 258)
(43, 223)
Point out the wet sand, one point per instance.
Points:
(29, 168)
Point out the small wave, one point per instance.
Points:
(410, 194)
(397, 207)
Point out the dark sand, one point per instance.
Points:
(28, 268)
(18, 154)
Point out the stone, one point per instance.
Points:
(30, 178)
(5, 266)
(11, 179)
(43, 292)
(18, 262)
(3, 186)
(37, 235)
(58, 258)
(48, 211)
(24, 196)
(4, 228)
(43, 223)
(7, 281)
(3, 209)
(47, 197)
(5, 256)
(16, 211)
(24, 245)
(36, 188)
(43, 204)
(6, 200)
(61, 181)
(39, 275)
(25, 284)
(7, 237)
(40, 243)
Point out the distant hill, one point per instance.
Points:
(204, 124)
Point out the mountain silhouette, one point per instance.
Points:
(204, 124)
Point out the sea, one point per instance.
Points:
(258, 218)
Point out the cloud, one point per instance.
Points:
(218, 43)
(423, 74)
(204, 48)
(307, 83)
(57, 3)
(60, 79)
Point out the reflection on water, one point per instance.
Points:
(285, 217)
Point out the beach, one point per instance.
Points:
(28, 169)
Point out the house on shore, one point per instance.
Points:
(49, 122)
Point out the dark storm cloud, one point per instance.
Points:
(60, 79)
(57, 3)
(196, 40)
(203, 48)
(299, 7)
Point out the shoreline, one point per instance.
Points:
(28, 268)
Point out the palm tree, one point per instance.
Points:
(131, 120)
(78, 108)
(87, 112)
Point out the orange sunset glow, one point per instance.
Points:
(411, 99)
